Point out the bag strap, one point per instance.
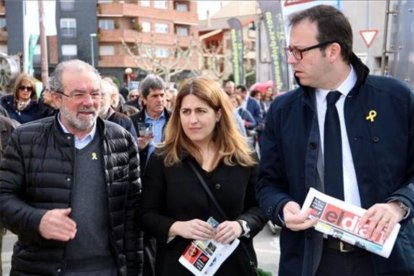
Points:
(207, 189)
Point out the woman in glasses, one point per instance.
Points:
(22, 105)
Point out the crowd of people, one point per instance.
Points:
(95, 180)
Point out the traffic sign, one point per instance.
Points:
(368, 36)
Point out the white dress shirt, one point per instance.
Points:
(351, 191)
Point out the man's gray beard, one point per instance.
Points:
(75, 122)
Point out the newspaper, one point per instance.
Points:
(340, 220)
(205, 257)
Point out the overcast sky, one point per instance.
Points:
(211, 5)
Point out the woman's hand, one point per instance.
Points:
(228, 231)
(194, 229)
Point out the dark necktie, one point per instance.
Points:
(334, 184)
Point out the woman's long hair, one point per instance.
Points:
(232, 146)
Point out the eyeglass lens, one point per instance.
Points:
(28, 88)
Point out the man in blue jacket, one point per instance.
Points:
(369, 164)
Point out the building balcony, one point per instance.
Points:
(123, 61)
(120, 61)
(134, 10)
(132, 36)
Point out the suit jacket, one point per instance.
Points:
(174, 193)
(140, 118)
(382, 151)
(254, 108)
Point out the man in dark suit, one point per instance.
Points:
(154, 113)
(347, 134)
(251, 104)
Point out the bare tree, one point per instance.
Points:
(175, 60)
(215, 62)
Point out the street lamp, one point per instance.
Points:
(92, 51)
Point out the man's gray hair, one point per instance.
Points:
(151, 82)
(55, 81)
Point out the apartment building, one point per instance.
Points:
(215, 40)
(98, 32)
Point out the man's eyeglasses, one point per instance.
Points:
(298, 53)
(79, 96)
(28, 88)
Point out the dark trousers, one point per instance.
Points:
(336, 263)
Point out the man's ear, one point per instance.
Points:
(56, 99)
(334, 51)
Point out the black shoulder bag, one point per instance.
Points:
(259, 271)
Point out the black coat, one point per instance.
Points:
(32, 112)
(36, 175)
(174, 193)
(382, 152)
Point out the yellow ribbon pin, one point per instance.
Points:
(371, 115)
(94, 156)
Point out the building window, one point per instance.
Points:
(69, 51)
(146, 27)
(106, 24)
(182, 31)
(67, 5)
(3, 22)
(181, 7)
(68, 27)
(160, 4)
(161, 52)
(106, 50)
(161, 28)
(145, 3)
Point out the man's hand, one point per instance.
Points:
(294, 219)
(57, 225)
(143, 142)
(381, 216)
(228, 231)
(194, 229)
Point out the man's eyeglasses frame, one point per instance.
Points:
(298, 53)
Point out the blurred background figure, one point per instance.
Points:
(267, 99)
(107, 112)
(170, 96)
(134, 99)
(229, 87)
(248, 121)
(46, 103)
(22, 105)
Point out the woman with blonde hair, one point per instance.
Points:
(201, 138)
(22, 105)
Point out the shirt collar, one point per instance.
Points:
(147, 116)
(344, 88)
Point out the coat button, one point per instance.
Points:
(375, 139)
(59, 270)
(313, 145)
(68, 179)
(217, 186)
